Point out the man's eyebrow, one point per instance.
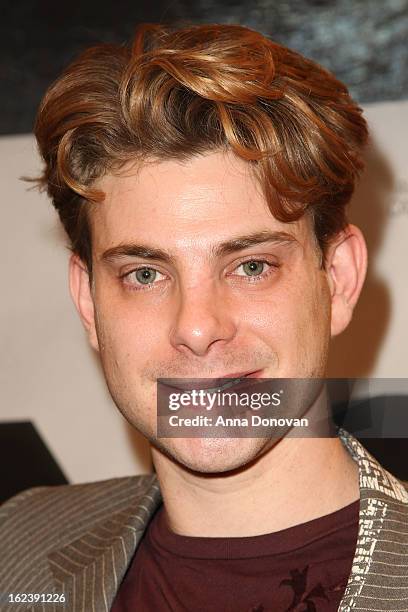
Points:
(224, 248)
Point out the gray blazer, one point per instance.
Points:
(78, 540)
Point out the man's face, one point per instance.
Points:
(194, 277)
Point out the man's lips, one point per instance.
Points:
(187, 384)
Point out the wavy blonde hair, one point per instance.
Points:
(180, 92)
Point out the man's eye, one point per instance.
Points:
(143, 276)
(254, 267)
(148, 276)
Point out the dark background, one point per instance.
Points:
(364, 42)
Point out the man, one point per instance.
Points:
(202, 178)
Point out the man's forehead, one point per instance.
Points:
(211, 199)
(220, 177)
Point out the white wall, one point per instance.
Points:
(48, 373)
(376, 342)
(50, 376)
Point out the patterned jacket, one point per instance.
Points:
(75, 542)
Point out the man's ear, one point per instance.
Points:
(82, 296)
(346, 266)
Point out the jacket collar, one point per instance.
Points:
(89, 570)
(382, 539)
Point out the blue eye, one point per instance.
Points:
(142, 277)
(256, 269)
(145, 276)
(253, 268)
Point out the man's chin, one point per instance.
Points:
(212, 455)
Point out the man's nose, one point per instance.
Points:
(204, 318)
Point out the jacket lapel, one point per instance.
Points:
(89, 570)
(379, 576)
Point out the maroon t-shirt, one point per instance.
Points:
(303, 568)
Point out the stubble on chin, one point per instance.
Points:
(210, 456)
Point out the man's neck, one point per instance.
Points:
(295, 481)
